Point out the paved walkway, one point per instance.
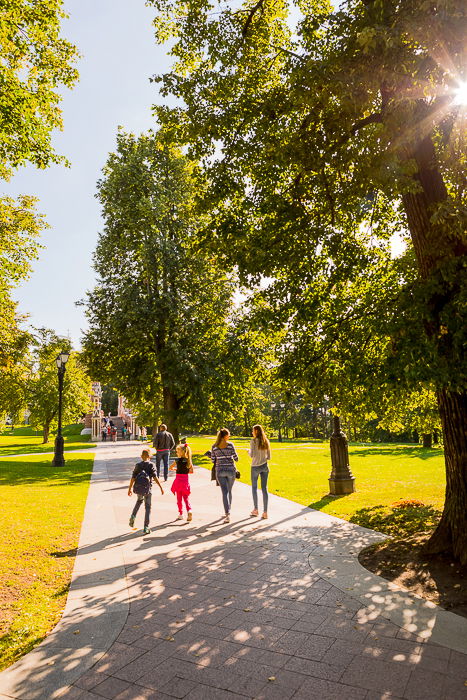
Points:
(253, 609)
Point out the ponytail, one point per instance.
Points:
(186, 450)
(221, 435)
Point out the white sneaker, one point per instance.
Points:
(179, 517)
(227, 519)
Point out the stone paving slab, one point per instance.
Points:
(250, 609)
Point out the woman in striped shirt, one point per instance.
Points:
(224, 456)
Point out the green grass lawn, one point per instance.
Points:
(26, 441)
(42, 511)
(385, 474)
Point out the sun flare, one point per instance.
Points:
(460, 94)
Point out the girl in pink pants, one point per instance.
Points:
(183, 466)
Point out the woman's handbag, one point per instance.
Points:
(213, 473)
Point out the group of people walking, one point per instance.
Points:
(109, 430)
(224, 471)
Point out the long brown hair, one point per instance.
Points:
(260, 436)
(223, 433)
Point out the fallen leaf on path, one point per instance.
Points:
(271, 678)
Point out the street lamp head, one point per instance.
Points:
(64, 357)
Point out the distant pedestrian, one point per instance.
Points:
(224, 456)
(144, 434)
(163, 442)
(113, 432)
(104, 434)
(183, 466)
(260, 453)
(124, 432)
(109, 431)
(141, 484)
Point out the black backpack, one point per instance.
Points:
(142, 483)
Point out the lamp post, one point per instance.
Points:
(61, 360)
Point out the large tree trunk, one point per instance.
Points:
(171, 408)
(433, 245)
(155, 428)
(45, 433)
(451, 533)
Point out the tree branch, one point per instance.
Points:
(251, 14)
(376, 118)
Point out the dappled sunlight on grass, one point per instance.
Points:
(384, 474)
(399, 519)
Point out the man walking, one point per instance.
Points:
(163, 443)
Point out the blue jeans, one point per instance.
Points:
(263, 472)
(226, 481)
(147, 508)
(164, 458)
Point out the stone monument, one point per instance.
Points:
(341, 480)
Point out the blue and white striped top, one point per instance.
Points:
(224, 458)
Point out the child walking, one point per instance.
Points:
(181, 484)
(141, 484)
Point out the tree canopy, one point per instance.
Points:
(320, 141)
(160, 317)
(36, 60)
(20, 226)
(42, 393)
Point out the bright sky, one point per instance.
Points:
(115, 38)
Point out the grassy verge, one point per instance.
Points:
(385, 475)
(26, 441)
(42, 510)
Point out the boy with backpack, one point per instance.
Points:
(140, 484)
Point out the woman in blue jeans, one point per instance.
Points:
(260, 453)
(224, 456)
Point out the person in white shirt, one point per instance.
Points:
(260, 453)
